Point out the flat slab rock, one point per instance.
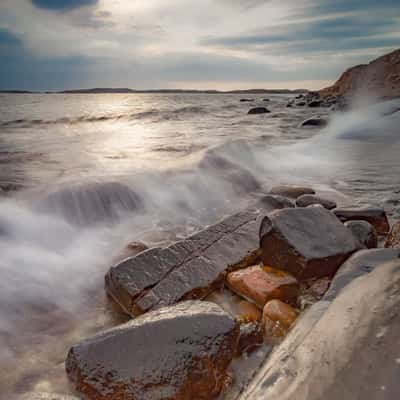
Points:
(345, 346)
(176, 353)
(306, 242)
(189, 269)
(375, 216)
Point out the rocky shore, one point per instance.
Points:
(293, 273)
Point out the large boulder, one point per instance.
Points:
(375, 216)
(291, 191)
(188, 269)
(309, 199)
(393, 239)
(345, 346)
(306, 242)
(176, 353)
(364, 232)
(260, 284)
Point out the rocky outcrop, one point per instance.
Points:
(346, 344)
(364, 232)
(375, 216)
(306, 242)
(177, 353)
(258, 110)
(381, 77)
(309, 200)
(393, 239)
(260, 284)
(189, 269)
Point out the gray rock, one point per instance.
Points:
(291, 191)
(189, 269)
(314, 103)
(364, 232)
(178, 352)
(258, 110)
(375, 216)
(309, 199)
(306, 242)
(315, 121)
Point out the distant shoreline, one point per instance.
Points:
(159, 91)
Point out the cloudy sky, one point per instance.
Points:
(222, 44)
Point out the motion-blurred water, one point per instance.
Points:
(96, 172)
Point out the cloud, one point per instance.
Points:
(62, 5)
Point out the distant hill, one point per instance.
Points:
(381, 77)
(126, 90)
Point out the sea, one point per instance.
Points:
(84, 175)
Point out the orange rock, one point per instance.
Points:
(277, 318)
(261, 284)
(248, 312)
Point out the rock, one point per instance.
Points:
(288, 105)
(345, 346)
(266, 100)
(375, 216)
(301, 103)
(306, 242)
(275, 200)
(258, 110)
(308, 199)
(315, 121)
(261, 284)
(246, 100)
(364, 232)
(248, 312)
(277, 319)
(179, 352)
(188, 269)
(313, 291)
(393, 239)
(291, 191)
(314, 103)
(250, 337)
(299, 96)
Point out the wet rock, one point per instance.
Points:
(289, 105)
(246, 100)
(277, 319)
(188, 269)
(393, 239)
(258, 110)
(291, 191)
(375, 216)
(301, 103)
(250, 337)
(178, 353)
(261, 284)
(306, 242)
(266, 100)
(275, 200)
(314, 103)
(248, 312)
(345, 346)
(315, 121)
(364, 232)
(309, 199)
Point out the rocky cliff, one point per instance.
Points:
(381, 77)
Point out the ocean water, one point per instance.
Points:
(95, 172)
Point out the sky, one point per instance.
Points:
(207, 44)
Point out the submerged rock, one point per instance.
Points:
(309, 199)
(251, 336)
(277, 319)
(291, 191)
(307, 242)
(177, 353)
(375, 216)
(343, 347)
(189, 269)
(364, 232)
(315, 121)
(258, 110)
(261, 284)
(393, 239)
